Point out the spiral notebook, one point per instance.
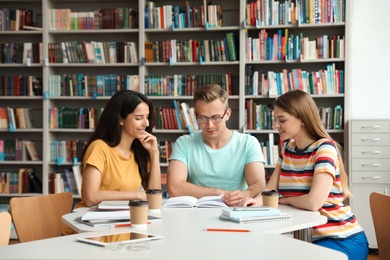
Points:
(255, 219)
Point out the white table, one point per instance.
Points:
(185, 238)
(178, 244)
(175, 220)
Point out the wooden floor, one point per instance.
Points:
(373, 255)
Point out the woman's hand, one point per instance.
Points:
(149, 142)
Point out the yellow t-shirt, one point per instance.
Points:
(118, 173)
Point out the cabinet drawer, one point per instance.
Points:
(367, 165)
(370, 151)
(369, 126)
(371, 139)
(371, 177)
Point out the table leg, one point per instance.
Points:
(304, 234)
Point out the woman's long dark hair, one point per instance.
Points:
(109, 130)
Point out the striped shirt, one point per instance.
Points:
(297, 170)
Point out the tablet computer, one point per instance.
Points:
(120, 238)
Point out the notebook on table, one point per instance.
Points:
(256, 219)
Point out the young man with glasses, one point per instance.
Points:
(216, 160)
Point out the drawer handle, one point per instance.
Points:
(371, 152)
(371, 164)
(371, 139)
(371, 126)
(371, 177)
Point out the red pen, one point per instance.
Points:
(227, 230)
(126, 225)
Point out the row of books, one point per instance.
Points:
(321, 11)
(91, 85)
(172, 51)
(175, 16)
(264, 12)
(271, 149)
(324, 81)
(21, 52)
(165, 149)
(18, 150)
(20, 85)
(285, 46)
(23, 181)
(181, 117)
(184, 85)
(66, 151)
(93, 52)
(17, 118)
(78, 118)
(267, 12)
(68, 180)
(260, 117)
(15, 19)
(104, 18)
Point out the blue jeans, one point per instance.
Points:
(355, 247)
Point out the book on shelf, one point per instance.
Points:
(35, 182)
(2, 150)
(190, 201)
(33, 28)
(256, 219)
(186, 115)
(77, 177)
(32, 150)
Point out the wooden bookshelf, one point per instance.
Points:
(228, 71)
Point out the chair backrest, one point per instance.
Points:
(380, 212)
(5, 228)
(41, 216)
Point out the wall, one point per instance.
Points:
(369, 59)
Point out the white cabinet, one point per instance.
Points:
(369, 168)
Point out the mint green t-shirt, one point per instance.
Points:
(219, 168)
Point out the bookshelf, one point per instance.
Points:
(234, 73)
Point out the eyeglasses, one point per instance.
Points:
(214, 119)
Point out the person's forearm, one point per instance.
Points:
(188, 189)
(155, 171)
(95, 198)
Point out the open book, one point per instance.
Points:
(189, 202)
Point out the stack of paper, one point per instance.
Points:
(97, 218)
(114, 205)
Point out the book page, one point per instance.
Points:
(181, 202)
(211, 201)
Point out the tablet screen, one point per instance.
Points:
(128, 237)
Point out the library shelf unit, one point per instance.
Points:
(235, 71)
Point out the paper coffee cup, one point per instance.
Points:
(138, 213)
(154, 198)
(270, 198)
